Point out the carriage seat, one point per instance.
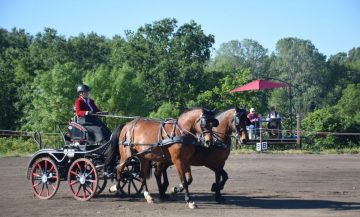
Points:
(79, 135)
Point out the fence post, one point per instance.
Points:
(298, 128)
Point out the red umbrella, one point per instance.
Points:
(259, 85)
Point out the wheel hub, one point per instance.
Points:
(44, 178)
(82, 179)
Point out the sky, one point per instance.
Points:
(333, 26)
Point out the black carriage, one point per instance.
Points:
(80, 163)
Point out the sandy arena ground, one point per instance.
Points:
(259, 185)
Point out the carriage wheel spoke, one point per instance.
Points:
(47, 190)
(78, 190)
(133, 183)
(89, 189)
(78, 165)
(40, 168)
(36, 184)
(74, 182)
(42, 189)
(91, 172)
(54, 177)
(129, 186)
(74, 173)
(36, 174)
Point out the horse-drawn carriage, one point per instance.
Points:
(80, 162)
(187, 140)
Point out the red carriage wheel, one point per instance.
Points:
(44, 178)
(131, 183)
(82, 179)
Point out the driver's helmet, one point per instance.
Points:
(82, 88)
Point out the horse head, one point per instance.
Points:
(240, 121)
(199, 121)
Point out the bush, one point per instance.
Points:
(166, 110)
(15, 146)
(330, 120)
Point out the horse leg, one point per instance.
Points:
(225, 177)
(144, 174)
(216, 187)
(119, 170)
(160, 170)
(219, 185)
(184, 173)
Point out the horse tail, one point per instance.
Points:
(114, 142)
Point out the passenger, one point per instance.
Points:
(274, 122)
(272, 114)
(84, 108)
(255, 121)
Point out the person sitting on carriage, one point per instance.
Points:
(255, 121)
(274, 122)
(84, 108)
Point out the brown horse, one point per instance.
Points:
(232, 120)
(168, 142)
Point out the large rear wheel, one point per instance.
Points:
(82, 179)
(44, 178)
(131, 183)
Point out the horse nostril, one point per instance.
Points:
(243, 141)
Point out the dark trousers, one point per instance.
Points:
(95, 126)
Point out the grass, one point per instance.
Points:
(17, 147)
(251, 150)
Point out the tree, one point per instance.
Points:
(170, 60)
(54, 97)
(89, 51)
(299, 63)
(118, 91)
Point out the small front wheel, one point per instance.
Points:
(82, 179)
(44, 178)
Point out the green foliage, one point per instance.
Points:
(169, 59)
(161, 68)
(118, 91)
(349, 103)
(323, 120)
(166, 110)
(299, 63)
(54, 101)
(13, 146)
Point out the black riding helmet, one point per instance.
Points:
(82, 88)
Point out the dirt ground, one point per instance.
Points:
(258, 185)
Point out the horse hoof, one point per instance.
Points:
(192, 205)
(174, 190)
(113, 189)
(148, 198)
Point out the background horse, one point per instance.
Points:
(214, 157)
(168, 142)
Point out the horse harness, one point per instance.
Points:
(165, 138)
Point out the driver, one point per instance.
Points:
(84, 108)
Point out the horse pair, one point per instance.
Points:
(230, 121)
(176, 142)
